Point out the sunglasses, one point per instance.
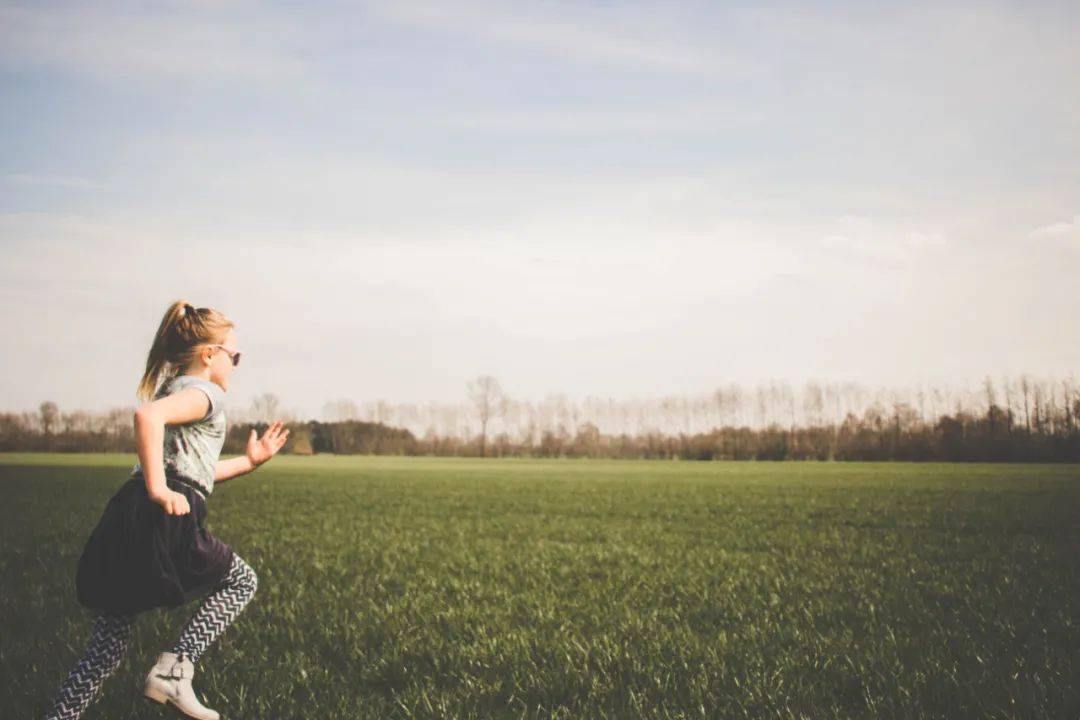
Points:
(234, 356)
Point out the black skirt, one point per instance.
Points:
(138, 557)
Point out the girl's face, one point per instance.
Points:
(221, 363)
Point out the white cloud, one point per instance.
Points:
(110, 43)
(690, 118)
(60, 181)
(1067, 232)
(876, 240)
(525, 28)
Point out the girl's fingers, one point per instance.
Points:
(177, 505)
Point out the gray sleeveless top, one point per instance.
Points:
(192, 449)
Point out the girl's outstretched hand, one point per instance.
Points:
(262, 449)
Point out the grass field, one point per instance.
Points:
(439, 588)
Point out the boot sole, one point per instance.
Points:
(155, 696)
(161, 698)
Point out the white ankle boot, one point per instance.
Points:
(170, 681)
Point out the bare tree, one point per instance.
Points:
(384, 412)
(1009, 400)
(119, 420)
(511, 418)
(1025, 392)
(265, 408)
(813, 403)
(79, 421)
(991, 401)
(1039, 406)
(991, 393)
(338, 410)
(1067, 393)
(761, 405)
(489, 400)
(50, 413)
(735, 398)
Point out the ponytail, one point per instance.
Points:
(183, 328)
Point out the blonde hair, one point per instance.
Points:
(183, 329)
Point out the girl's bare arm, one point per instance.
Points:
(225, 469)
(186, 406)
(259, 450)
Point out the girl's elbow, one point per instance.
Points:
(144, 416)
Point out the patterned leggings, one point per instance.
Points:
(112, 634)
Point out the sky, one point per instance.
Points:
(619, 199)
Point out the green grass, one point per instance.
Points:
(437, 588)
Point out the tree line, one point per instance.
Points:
(1023, 420)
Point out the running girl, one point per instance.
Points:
(150, 548)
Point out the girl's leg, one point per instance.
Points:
(218, 610)
(108, 643)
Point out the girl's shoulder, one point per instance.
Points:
(213, 391)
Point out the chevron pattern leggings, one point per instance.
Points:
(112, 632)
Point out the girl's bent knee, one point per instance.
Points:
(251, 582)
(246, 579)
